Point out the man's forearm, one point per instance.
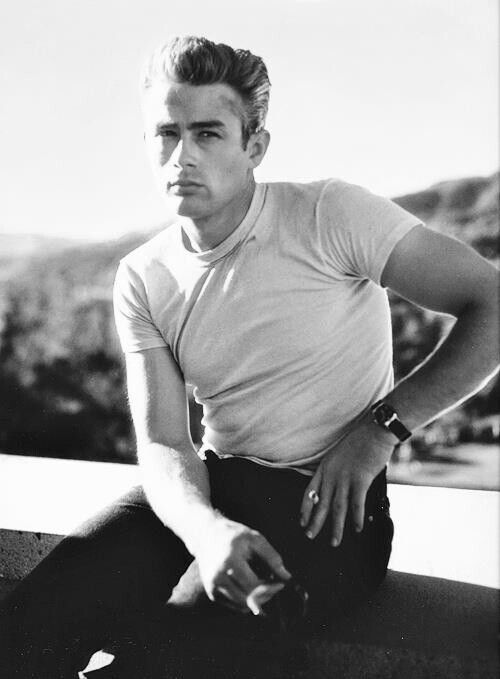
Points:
(459, 367)
(177, 486)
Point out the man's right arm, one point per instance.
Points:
(177, 485)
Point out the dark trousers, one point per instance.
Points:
(111, 578)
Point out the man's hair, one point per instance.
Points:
(199, 61)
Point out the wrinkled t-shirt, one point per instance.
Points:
(283, 329)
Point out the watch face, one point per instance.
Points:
(385, 416)
(384, 413)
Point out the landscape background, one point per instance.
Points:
(394, 95)
(61, 372)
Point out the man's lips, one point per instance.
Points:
(182, 184)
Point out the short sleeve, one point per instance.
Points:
(359, 229)
(135, 327)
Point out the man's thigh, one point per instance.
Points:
(113, 570)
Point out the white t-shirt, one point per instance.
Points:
(283, 329)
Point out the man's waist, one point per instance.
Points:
(376, 499)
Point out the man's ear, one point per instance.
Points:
(257, 146)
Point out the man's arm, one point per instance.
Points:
(443, 275)
(177, 485)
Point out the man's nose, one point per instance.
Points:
(184, 154)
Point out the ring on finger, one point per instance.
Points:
(313, 496)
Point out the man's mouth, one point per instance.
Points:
(183, 187)
(183, 184)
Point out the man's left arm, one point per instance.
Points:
(446, 276)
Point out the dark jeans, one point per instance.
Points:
(111, 577)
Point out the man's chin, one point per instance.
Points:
(185, 206)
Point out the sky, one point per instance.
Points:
(394, 95)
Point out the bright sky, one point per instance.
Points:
(391, 94)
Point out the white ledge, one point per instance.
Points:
(441, 532)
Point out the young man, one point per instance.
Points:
(269, 299)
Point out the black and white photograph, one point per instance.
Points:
(249, 339)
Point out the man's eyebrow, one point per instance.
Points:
(205, 123)
(193, 126)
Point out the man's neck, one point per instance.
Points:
(208, 232)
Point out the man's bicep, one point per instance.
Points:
(438, 272)
(157, 397)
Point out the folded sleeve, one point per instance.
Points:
(359, 229)
(135, 327)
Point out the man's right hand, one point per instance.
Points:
(177, 485)
(228, 558)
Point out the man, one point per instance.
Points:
(270, 301)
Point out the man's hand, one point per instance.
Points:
(228, 559)
(343, 478)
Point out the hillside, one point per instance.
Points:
(28, 244)
(464, 208)
(61, 377)
(15, 249)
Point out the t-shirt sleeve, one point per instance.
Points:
(135, 327)
(359, 230)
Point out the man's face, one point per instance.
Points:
(194, 141)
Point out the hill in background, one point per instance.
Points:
(61, 377)
(15, 249)
(466, 209)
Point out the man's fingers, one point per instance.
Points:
(310, 499)
(358, 499)
(226, 597)
(271, 558)
(263, 593)
(320, 512)
(226, 586)
(339, 511)
(244, 577)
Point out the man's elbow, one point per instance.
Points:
(164, 445)
(481, 299)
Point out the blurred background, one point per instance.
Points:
(397, 95)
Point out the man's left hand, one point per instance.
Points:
(343, 478)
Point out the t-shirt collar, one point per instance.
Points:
(236, 236)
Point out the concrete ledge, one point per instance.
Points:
(53, 496)
(441, 532)
(20, 551)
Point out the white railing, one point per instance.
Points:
(441, 532)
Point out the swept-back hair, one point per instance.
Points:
(199, 61)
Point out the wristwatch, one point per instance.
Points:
(385, 416)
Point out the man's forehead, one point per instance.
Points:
(167, 100)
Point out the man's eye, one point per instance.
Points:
(166, 133)
(206, 134)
